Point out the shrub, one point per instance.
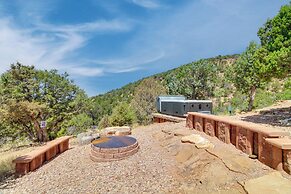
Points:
(104, 122)
(122, 114)
(144, 100)
(80, 122)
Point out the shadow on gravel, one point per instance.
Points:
(6, 180)
(276, 117)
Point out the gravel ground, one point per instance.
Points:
(162, 165)
(148, 171)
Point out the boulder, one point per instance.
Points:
(86, 138)
(199, 141)
(119, 131)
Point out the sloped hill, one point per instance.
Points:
(104, 103)
(202, 79)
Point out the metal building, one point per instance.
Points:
(179, 106)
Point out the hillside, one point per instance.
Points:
(202, 79)
(105, 102)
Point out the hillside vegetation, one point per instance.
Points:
(203, 79)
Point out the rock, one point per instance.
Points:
(185, 153)
(271, 183)
(96, 135)
(252, 156)
(183, 132)
(167, 131)
(204, 145)
(86, 140)
(119, 131)
(199, 141)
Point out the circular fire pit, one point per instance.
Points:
(113, 148)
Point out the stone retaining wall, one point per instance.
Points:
(250, 138)
(161, 118)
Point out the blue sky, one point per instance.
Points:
(105, 44)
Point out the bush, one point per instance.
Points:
(144, 100)
(122, 114)
(80, 122)
(239, 102)
(264, 98)
(104, 122)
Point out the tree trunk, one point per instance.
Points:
(44, 134)
(252, 97)
(38, 131)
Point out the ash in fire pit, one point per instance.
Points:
(113, 148)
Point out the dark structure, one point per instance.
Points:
(179, 106)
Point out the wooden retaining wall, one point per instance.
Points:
(271, 146)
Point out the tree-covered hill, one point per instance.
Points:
(210, 78)
(175, 82)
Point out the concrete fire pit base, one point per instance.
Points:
(113, 148)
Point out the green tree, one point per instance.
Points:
(42, 95)
(122, 114)
(246, 73)
(80, 123)
(23, 115)
(275, 38)
(104, 122)
(195, 80)
(144, 100)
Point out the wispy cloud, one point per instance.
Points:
(151, 4)
(100, 25)
(86, 71)
(134, 62)
(50, 46)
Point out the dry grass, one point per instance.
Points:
(8, 154)
(6, 167)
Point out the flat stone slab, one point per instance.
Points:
(271, 183)
(185, 152)
(119, 131)
(199, 141)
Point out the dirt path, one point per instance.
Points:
(162, 165)
(276, 116)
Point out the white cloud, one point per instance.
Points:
(137, 60)
(100, 25)
(49, 46)
(86, 71)
(151, 4)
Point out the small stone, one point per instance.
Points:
(252, 156)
